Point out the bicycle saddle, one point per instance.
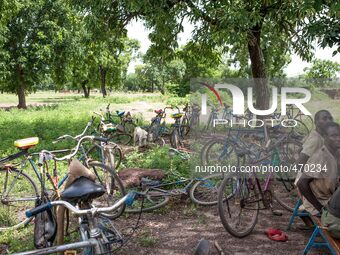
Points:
(26, 143)
(177, 115)
(159, 111)
(82, 189)
(120, 114)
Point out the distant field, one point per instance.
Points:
(64, 113)
(51, 97)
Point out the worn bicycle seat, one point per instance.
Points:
(159, 111)
(177, 115)
(82, 189)
(26, 143)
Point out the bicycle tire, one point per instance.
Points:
(175, 139)
(114, 188)
(222, 200)
(151, 197)
(94, 154)
(209, 185)
(300, 130)
(23, 178)
(220, 152)
(284, 190)
(203, 151)
(185, 127)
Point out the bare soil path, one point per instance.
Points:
(177, 229)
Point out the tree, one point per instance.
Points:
(239, 26)
(322, 72)
(32, 36)
(324, 24)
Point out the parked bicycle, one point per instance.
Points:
(19, 191)
(104, 151)
(241, 194)
(191, 118)
(98, 235)
(125, 119)
(155, 194)
(116, 132)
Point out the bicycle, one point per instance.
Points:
(176, 133)
(126, 120)
(18, 188)
(115, 132)
(106, 152)
(157, 129)
(191, 118)
(212, 117)
(202, 191)
(98, 234)
(242, 193)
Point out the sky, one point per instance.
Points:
(136, 30)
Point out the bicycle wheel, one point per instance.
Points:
(300, 130)
(159, 142)
(185, 128)
(129, 127)
(122, 138)
(18, 192)
(176, 139)
(220, 152)
(114, 189)
(152, 201)
(306, 119)
(204, 191)
(284, 190)
(112, 155)
(238, 204)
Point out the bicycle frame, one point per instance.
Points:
(183, 190)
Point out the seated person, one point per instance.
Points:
(318, 184)
(315, 139)
(330, 217)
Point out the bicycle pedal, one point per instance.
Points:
(70, 252)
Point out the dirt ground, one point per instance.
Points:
(177, 229)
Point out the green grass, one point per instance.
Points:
(146, 239)
(69, 116)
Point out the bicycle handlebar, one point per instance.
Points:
(127, 199)
(44, 153)
(77, 137)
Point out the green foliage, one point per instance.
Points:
(322, 72)
(18, 240)
(324, 24)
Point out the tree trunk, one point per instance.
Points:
(258, 69)
(103, 80)
(21, 90)
(85, 89)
